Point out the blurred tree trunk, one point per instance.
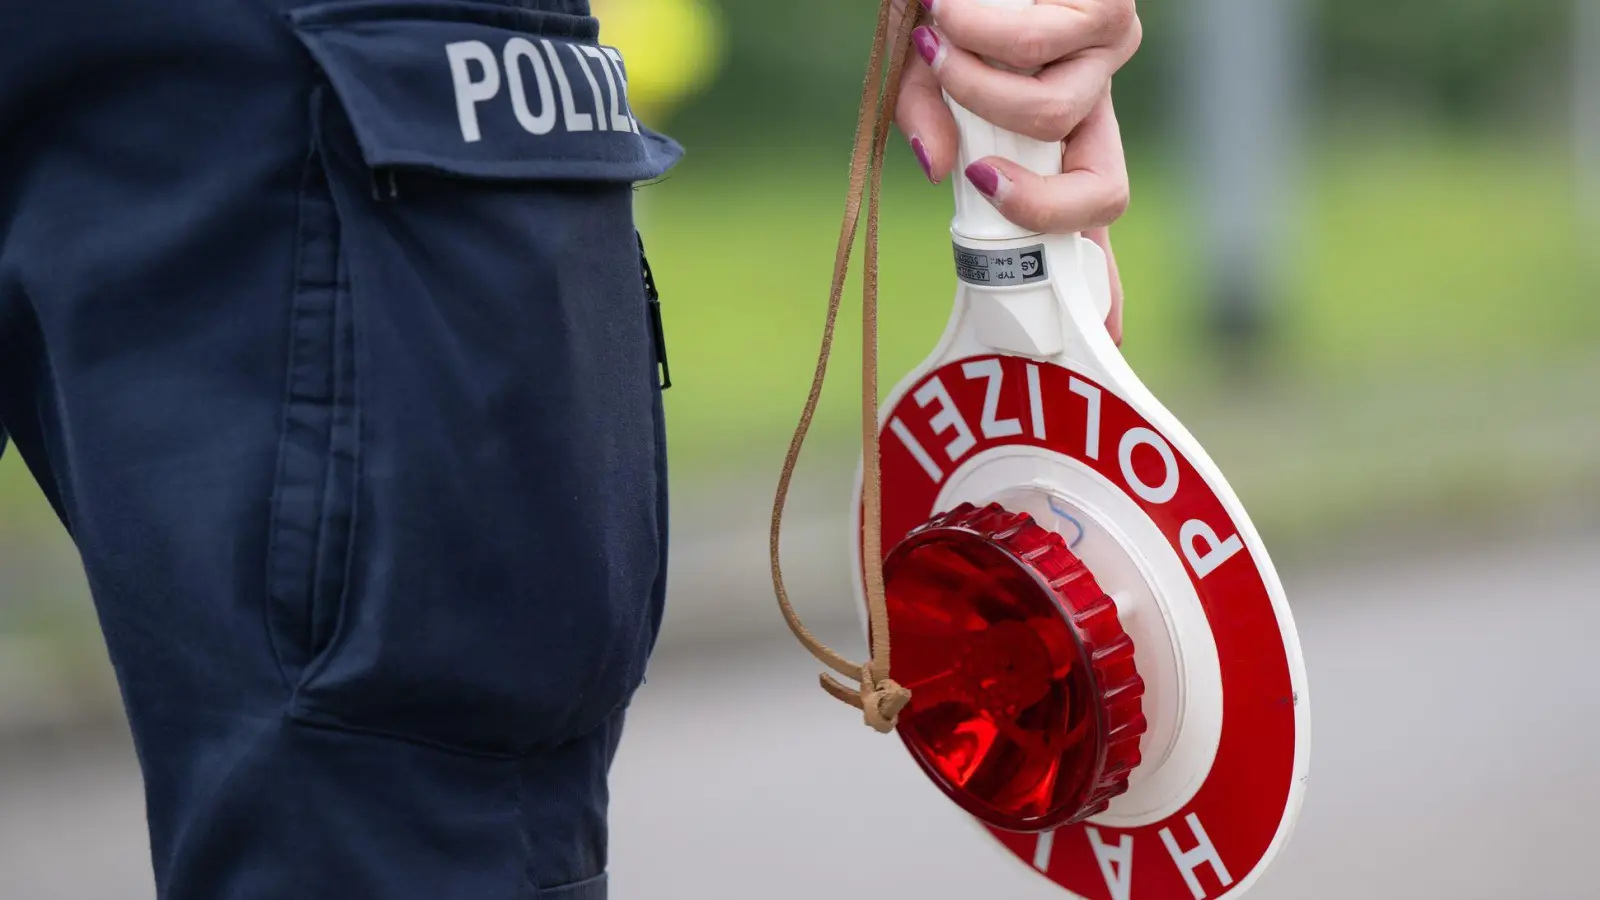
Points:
(1242, 89)
(1586, 110)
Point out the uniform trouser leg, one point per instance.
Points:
(369, 486)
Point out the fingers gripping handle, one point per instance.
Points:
(976, 217)
(1017, 324)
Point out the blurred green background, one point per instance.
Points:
(1430, 337)
(1434, 277)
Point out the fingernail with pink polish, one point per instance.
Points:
(927, 43)
(923, 158)
(988, 180)
(927, 4)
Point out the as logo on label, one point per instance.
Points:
(543, 82)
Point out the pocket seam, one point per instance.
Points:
(582, 887)
(324, 654)
(294, 576)
(346, 406)
(307, 714)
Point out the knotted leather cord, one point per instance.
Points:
(877, 695)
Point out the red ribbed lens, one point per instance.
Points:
(1024, 699)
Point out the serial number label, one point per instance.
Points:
(1023, 265)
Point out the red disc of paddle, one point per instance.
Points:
(1025, 703)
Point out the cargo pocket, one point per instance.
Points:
(476, 561)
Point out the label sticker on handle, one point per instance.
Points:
(999, 268)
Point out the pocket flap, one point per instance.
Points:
(479, 90)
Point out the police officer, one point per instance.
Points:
(323, 328)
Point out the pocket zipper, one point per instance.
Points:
(653, 298)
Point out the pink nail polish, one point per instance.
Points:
(927, 43)
(927, 4)
(986, 178)
(923, 159)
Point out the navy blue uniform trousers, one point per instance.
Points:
(322, 326)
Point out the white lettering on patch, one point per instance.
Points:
(518, 49)
(550, 103)
(619, 122)
(469, 91)
(571, 118)
(594, 89)
(622, 78)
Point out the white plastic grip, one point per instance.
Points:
(976, 218)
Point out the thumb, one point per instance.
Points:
(925, 120)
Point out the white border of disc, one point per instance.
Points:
(1172, 636)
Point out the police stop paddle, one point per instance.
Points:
(1092, 654)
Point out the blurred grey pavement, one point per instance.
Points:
(1455, 714)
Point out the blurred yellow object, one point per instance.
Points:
(672, 49)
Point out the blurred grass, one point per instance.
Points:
(1420, 256)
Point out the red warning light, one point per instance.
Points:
(1025, 703)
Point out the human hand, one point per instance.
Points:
(1072, 48)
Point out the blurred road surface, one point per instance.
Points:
(1456, 754)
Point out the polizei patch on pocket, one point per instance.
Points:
(500, 93)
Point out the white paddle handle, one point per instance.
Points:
(976, 218)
